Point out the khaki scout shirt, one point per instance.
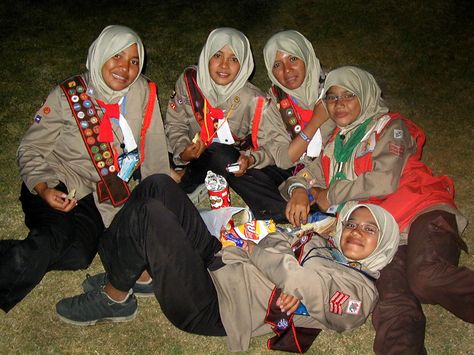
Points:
(181, 125)
(381, 181)
(274, 139)
(245, 283)
(53, 150)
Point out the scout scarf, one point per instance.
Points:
(218, 39)
(294, 43)
(342, 152)
(112, 40)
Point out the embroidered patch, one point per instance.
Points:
(38, 118)
(172, 105)
(46, 110)
(173, 94)
(284, 103)
(306, 174)
(354, 307)
(282, 324)
(396, 149)
(366, 146)
(397, 133)
(336, 301)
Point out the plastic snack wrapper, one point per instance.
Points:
(318, 222)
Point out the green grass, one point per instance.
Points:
(421, 53)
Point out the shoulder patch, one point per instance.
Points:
(336, 302)
(353, 307)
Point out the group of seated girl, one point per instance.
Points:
(315, 142)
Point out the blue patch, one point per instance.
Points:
(38, 118)
(282, 324)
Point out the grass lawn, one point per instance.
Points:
(421, 53)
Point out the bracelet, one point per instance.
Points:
(310, 195)
(294, 186)
(304, 137)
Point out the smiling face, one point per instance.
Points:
(360, 234)
(224, 66)
(289, 70)
(345, 110)
(122, 69)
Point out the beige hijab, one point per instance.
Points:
(112, 40)
(294, 43)
(387, 244)
(365, 87)
(218, 39)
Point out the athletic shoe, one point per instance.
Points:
(96, 306)
(98, 281)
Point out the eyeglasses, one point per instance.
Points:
(365, 228)
(331, 99)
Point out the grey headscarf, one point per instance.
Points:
(363, 84)
(112, 40)
(218, 39)
(387, 244)
(294, 43)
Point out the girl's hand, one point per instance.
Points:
(55, 198)
(193, 151)
(244, 162)
(322, 198)
(287, 303)
(320, 114)
(248, 246)
(297, 208)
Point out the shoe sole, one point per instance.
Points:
(143, 295)
(93, 322)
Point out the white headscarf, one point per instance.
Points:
(363, 84)
(112, 40)
(218, 39)
(387, 244)
(294, 43)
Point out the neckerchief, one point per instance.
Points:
(105, 129)
(342, 152)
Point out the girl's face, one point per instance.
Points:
(360, 234)
(343, 106)
(122, 69)
(289, 70)
(224, 66)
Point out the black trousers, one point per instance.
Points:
(259, 189)
(56, 241)
(215, 158)
(160, 230)
(424, 271)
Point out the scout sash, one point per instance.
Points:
(288, 337)
(208, 122)
(288, 112)
(110, 185)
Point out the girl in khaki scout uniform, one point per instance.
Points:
(208, 120)
(374, 156)
(73, 183)
(229, 294)
(290, 123)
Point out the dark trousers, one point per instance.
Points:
(424, 271)
(215, 158)
(160, 230)
(56, 241)
(259, 189)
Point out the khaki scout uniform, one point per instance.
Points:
(274, 139)
(336, 296)
(181, 125)
(53, 150)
